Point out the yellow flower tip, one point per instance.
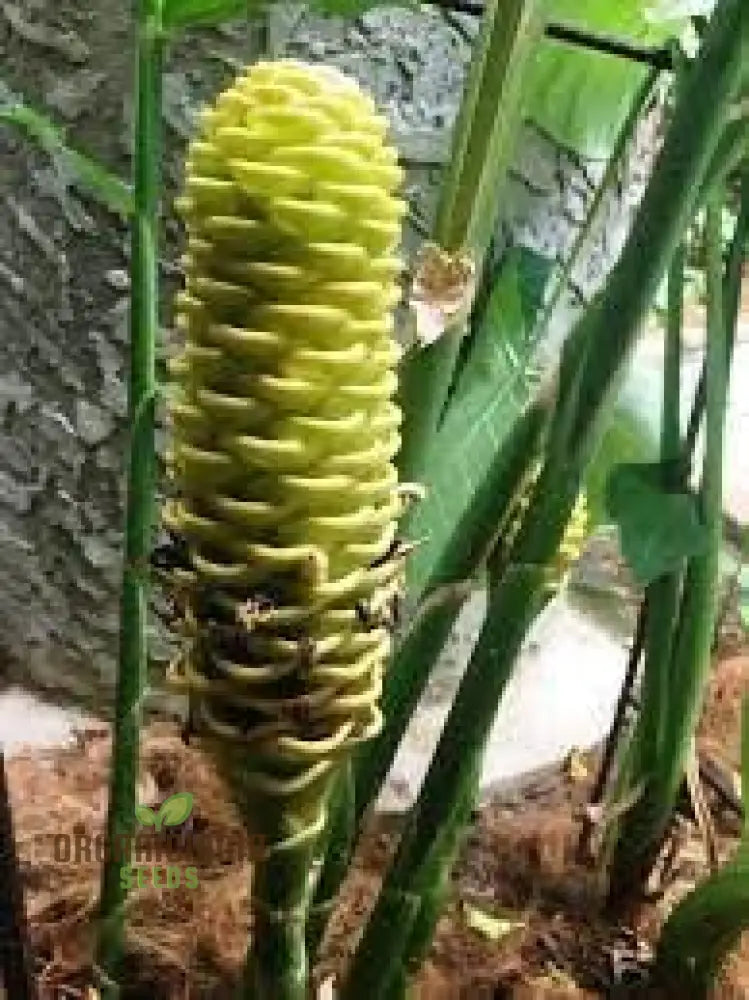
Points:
(284, 424)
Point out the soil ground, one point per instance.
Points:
(519, 864)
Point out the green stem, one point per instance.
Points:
(732, 300)
(698, 121)
(140, 483)
(449, 781)
(463, 556)
(409, 672)
(482, 147)
(694, 644)
(604, 188)
(640, 833)
(671, 426)
(335, 852)
(732, 150)
(702, 931)
(663, 595)
(435, 889)
(277, 966)
(607, 334)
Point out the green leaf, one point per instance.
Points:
(658, 529)
(483, 147)
(492, 390)
(581, 98)
(183, 13)
(174, 810)
(77, 168)
(627, 439)
(178, 14)
(145, 815)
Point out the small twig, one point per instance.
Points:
(16, 962)
(720, 780)
(665, 870)
(624, 702)
(623, 48)
(661, 58)
(701, 809)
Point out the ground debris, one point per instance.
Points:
(518, 867)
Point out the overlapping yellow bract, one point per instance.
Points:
(284, 424)
(574, 538)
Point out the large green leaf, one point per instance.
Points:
(492, 390)
(626, 439)
(183, 13)
(483, 147)
(178, 14)
(582, 98)
(658, 529)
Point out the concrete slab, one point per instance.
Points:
(26, 721)
(562, 695)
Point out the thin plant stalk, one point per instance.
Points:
(664, 593)
(334, 854)
(141, 470)
(424, 856)
(16, 958)
(731, 299)
(482, 147)
(613, 164)
(644, 827)
(602, 341)
(277, 966)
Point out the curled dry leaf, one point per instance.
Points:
(577, 766)
(492, 926)
(442, 292)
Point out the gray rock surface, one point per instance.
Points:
(561, 696)
(63, 318)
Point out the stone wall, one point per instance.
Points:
(63, 280)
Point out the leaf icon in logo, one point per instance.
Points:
(174, 810)
(145, 816)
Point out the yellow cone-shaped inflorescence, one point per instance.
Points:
(574, 539)
(284, 425)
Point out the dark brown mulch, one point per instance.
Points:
(519, 863)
